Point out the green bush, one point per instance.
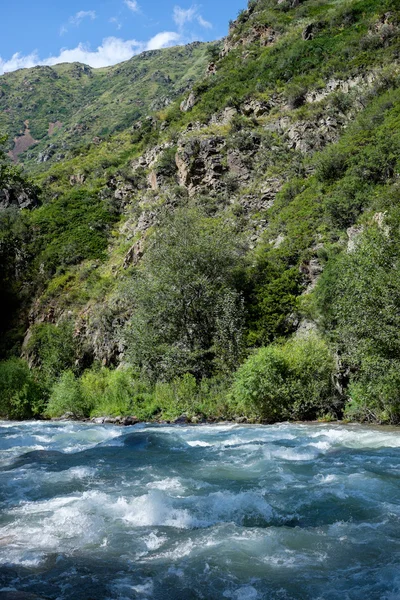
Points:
(21, 395)
(53, 349)
(291, 380)
(331, 165)
(66, 397)
(114, 392)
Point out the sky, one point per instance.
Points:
(104, 32)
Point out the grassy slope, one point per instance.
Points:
(93, 102)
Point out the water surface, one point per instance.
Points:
(284, 512)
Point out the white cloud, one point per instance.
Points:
(163, 40)
(188, 15)
(17, 61)
(113, 50)
(116, 22)
(132, 5)
(82, 14)
(204, 23)
(77, 19)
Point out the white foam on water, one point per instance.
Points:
(199, 444)
(246, 592)
(169, 483)
(154, 541)
(236, 511)
(358, 437)
(153, 509)
(291, 454)
(125, 588)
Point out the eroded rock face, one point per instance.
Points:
(77, 179)
(309, 136)
(354, 234)
(255, 108)
(237, 165)
(19, 197)
(150, 157)
(189, 103)
(262, 34)
(200, 164)
(134, 254)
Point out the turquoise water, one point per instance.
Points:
(210, 512)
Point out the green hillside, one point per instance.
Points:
(234, 255)
(71, 104)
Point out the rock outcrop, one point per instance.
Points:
(200, 164)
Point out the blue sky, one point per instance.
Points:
(104, 32)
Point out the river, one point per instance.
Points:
(283, 512)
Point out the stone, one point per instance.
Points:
(211, 69)
(189, 103)
(182, 420)
(154, 180)
(77, 179)
(354, 233)
(128, 421)
(255, 107)
(237, 165)
(19, 197)
(133, 255)
(311, 270)
(240, 420)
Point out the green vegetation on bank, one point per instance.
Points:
(269, 292)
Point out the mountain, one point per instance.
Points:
(47, 111)
(235, 252)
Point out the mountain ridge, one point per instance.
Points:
(70, 102)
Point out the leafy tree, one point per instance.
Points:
(187, 274)
(21, 396)
(53, 349)
(359, 295)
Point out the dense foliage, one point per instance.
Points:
(188, 313)
(218, 263)
(283, 381)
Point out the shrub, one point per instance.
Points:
(52, 347)
(291, 380)
(375, 393)
(359, 298)
(331, 165)
(112, 392)
(166, 164)
(66, 397)
(21, 396)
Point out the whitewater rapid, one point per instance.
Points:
(283, 512)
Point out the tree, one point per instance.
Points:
(186, 276)
(359, 296)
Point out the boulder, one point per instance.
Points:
(127, 421)
(182, 420)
